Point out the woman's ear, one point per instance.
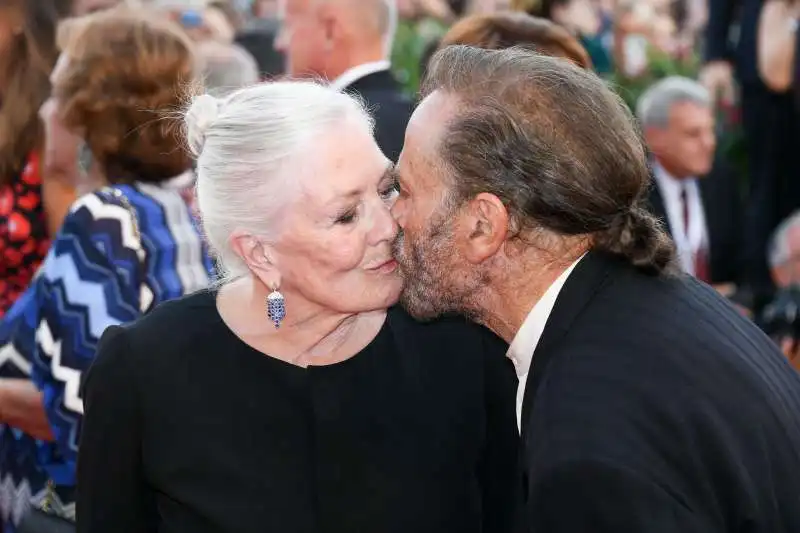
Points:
(259, 258)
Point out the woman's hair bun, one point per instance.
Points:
(199, 119)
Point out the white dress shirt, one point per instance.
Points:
(687, 240)
(352, 75)
(527, 338)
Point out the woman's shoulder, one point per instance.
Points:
(174, 325)
(450, 334)
(191, 312)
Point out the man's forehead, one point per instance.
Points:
(681, 112)
(438, 106)
(421, 158)
(430, 120)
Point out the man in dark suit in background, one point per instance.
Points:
(696, 197)
(647, 403)
(348, 42)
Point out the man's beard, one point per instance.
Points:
(434, 283)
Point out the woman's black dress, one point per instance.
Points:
(189, 430)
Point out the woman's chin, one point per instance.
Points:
(394, 286)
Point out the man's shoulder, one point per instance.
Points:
(661, 329)
(669, 302)
(646, 343)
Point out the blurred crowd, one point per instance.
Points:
(89, 102)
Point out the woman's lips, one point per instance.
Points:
(384, 268)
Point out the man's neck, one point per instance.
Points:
(355, 58)
(508, 299)
(672, 171)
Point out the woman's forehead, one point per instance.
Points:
(346, 183)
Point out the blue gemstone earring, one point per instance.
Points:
(276, 308)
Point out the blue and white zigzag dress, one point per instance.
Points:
(104, 268)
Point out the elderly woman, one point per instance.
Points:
(123, 248)
(294, 397)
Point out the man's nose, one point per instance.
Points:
(398, 212)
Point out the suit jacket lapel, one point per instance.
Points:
(583, 283)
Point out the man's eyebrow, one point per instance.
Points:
(397, 176)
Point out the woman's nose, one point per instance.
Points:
(385, 227)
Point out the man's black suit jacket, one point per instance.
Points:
(653, 406)
(390, 108)
(724, 212)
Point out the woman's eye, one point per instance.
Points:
(347, 218)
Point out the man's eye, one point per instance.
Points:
(389, 192)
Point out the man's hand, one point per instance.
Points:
(717, 77)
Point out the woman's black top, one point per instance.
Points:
(189, 430)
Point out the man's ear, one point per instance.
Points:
(329, 20)
(486, 222)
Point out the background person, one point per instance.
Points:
(126, 246)
(348, 42)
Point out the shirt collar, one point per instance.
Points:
(527, 338)
(352, 75)
(669, 182)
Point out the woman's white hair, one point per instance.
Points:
(250, 147)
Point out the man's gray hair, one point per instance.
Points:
(779, 250)
(656, 103)
(508, 137)
(226, 67)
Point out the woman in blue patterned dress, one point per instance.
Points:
(127, 246)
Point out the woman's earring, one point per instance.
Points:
(276, 308)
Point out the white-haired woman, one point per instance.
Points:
(295, 398)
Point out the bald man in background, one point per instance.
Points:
(348, 43)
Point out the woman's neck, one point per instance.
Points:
(309, 336)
